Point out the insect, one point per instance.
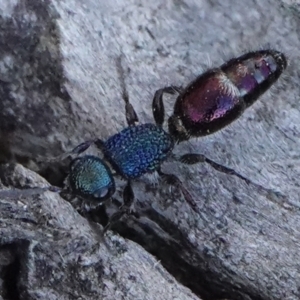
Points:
(219, 96)
(212, 101)
(91, 178)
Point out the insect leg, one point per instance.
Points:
(128, 198)
(194, 158)
(175, 181)
(158, 107)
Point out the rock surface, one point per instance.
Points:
(60, 85)
(48, 251)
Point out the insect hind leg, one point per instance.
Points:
(158, 108)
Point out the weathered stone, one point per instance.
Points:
(48, 251)
(60, 85)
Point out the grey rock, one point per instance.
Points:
(60, 86)
(48, 251)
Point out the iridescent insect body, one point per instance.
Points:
(219, 96)
(137, 150)
(209, 103)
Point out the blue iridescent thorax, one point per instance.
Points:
(138, 149)
(91, 178)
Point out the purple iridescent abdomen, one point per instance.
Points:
(255, 72)
(137, 150)
(219, 96)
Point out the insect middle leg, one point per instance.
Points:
(175, 181)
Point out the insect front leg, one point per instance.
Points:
(125, 209)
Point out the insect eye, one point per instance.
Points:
(101, 193)
(91, 178)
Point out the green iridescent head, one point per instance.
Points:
(91, 179)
